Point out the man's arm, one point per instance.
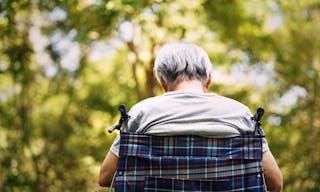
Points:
(272, 173)
(107, 170)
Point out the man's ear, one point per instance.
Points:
(208, 83)
(163, 85)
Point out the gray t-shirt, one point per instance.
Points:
(183, 113)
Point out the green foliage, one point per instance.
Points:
(57, 99)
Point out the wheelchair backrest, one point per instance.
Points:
(189, 163)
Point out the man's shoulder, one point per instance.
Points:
(225, 100)
(148, 103)
(231, 100)
(151, 100)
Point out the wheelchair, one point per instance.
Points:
(189, 163)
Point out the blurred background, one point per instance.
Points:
(65, 66)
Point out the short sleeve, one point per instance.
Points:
(115, 146)
(265, 146)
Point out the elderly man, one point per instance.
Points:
(184, 72)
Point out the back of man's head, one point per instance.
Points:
(182, 61)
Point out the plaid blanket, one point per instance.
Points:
(189, 163)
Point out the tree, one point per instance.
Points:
(285, 35)
(57, 97)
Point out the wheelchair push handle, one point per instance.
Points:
(123, 119)
(257, 118)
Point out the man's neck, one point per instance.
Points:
(190, 86)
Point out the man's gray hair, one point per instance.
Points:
(182, 61)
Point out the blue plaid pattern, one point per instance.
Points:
(189, 163)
